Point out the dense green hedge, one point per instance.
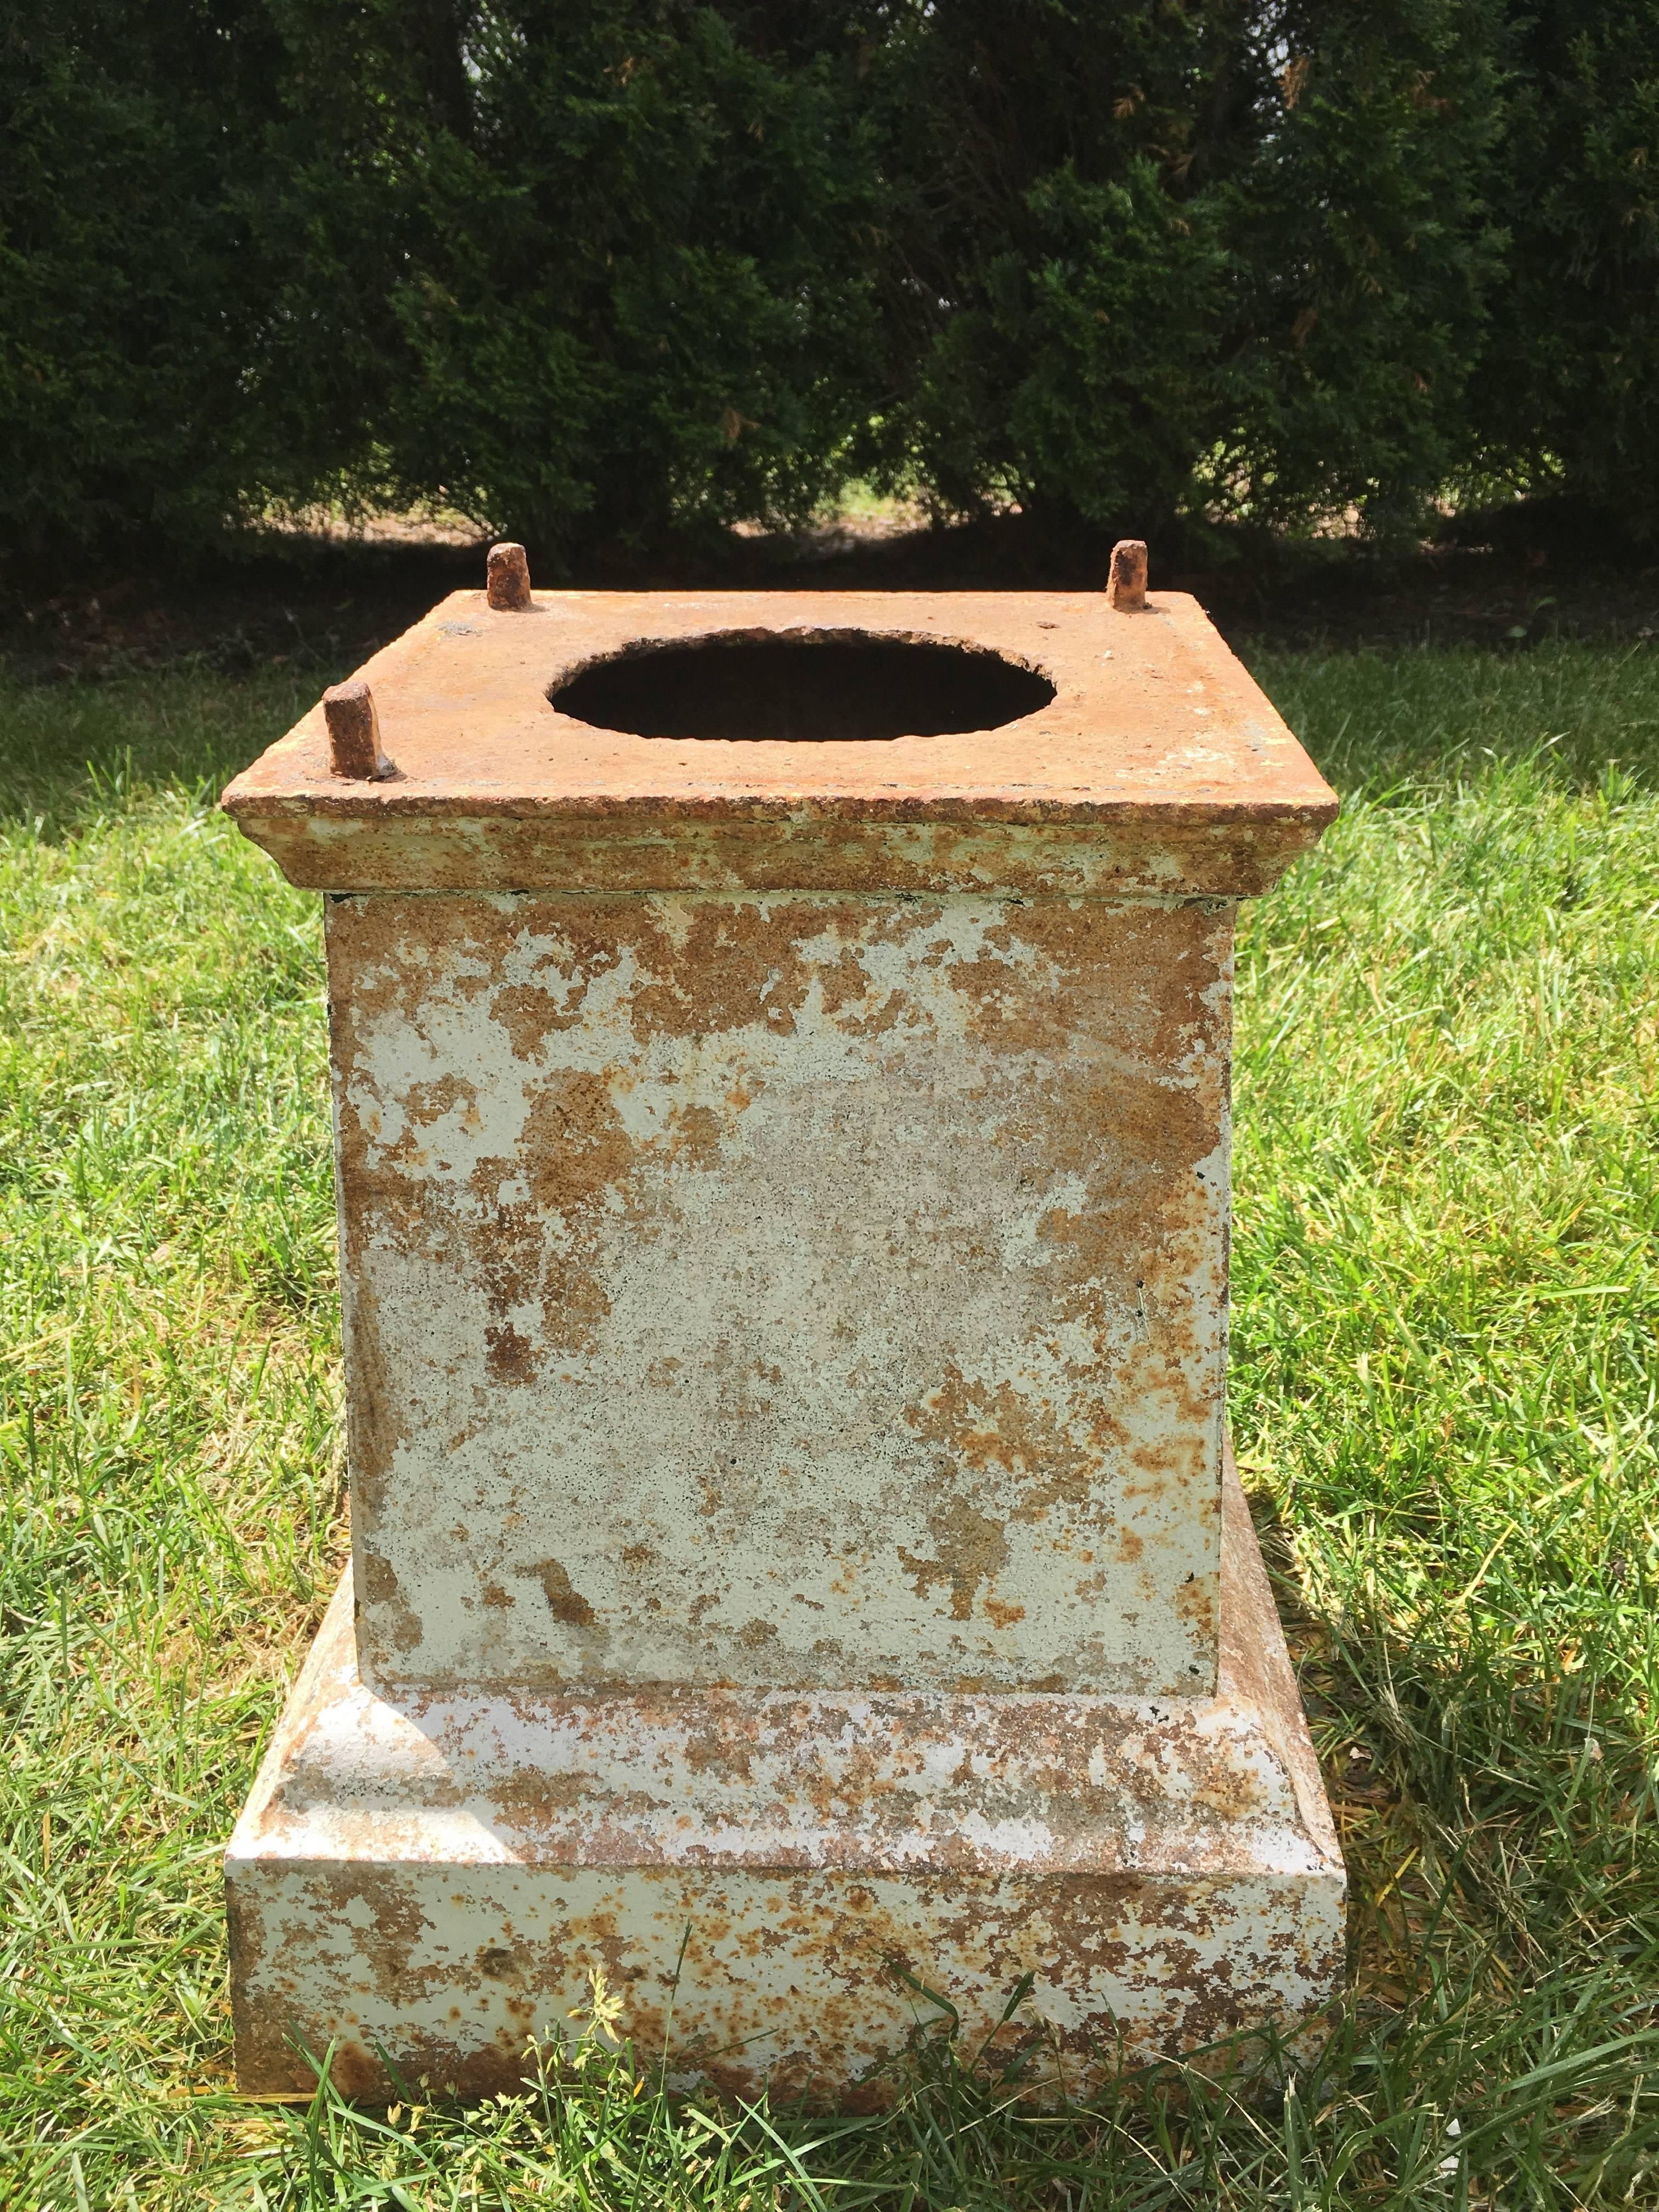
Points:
(584, 267)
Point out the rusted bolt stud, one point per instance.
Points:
(354, 733)
(1126, 588)
(507, 573)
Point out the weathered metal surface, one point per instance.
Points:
(354, 733)
(439, 1877)
(1159, 767)
(797, 1292)
(784, 1202)
(506, 585)
(1126, 585)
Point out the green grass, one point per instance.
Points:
(1445, 1381)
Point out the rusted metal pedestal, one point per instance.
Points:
(781, 1056)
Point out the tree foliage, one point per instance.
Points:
(1571, 382)
(591, 267)
(130, 292)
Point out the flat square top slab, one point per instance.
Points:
(1131, 752)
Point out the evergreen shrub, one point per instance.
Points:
(590, 267)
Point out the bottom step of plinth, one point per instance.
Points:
(764, 1879)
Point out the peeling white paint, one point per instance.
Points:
(439, 1875)
(784, 1205)
(815, 1330)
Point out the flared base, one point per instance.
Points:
(769, 1881)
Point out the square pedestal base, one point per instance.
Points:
(436, 1879)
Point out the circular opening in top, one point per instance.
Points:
(835, 684)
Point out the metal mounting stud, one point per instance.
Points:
(507, 579)
(354, 733)
(1126, 588)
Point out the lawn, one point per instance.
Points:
(1444, 1377)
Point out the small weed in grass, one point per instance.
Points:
(1444, 1392)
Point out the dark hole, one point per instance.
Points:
(837, 685)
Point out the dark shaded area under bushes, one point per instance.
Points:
(317, 605)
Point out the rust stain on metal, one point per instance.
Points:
(506, 585)
(1158, 766)
(1166, 1868)
(784, 1196)
(563, 1602)
(1126, 584)
(354, 733)
(843, 1253)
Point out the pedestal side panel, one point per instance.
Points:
(794, 1291)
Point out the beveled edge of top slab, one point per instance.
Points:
(1159, 769)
